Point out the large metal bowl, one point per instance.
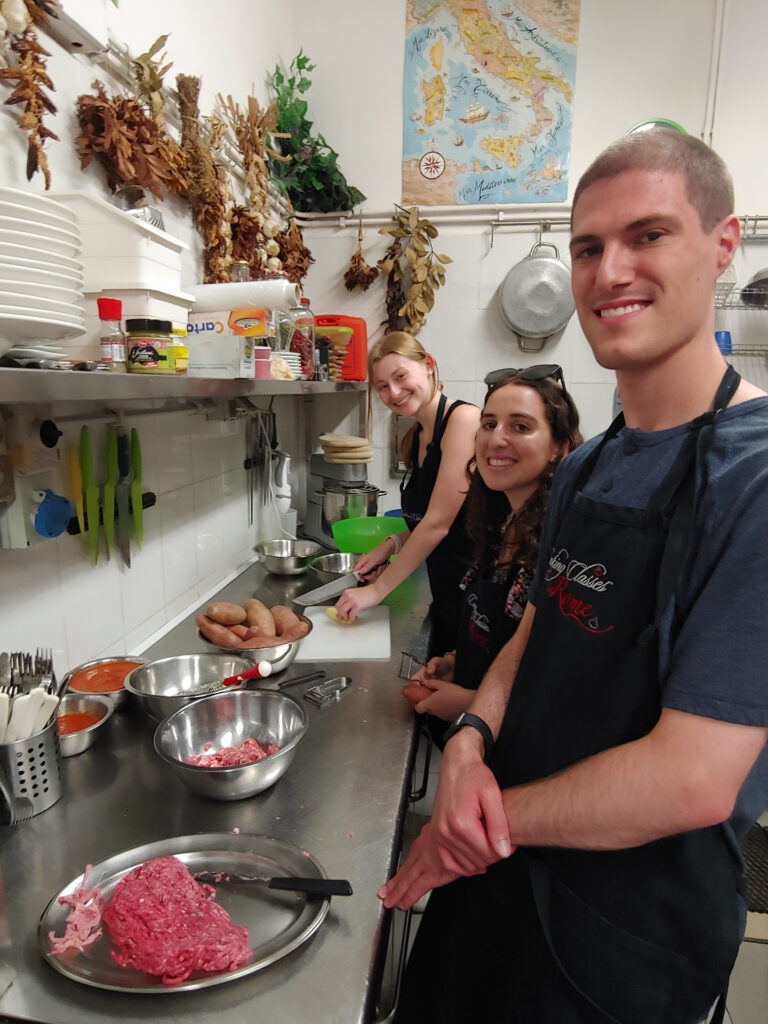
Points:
(331, 567)
(164, 686)
(118, 695)
(279, 656)
(227, 720)
(91, 703)
(287, 557)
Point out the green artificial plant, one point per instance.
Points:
(312, 179)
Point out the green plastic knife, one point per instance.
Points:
(91, 491)
(136, 506)
(110, 463)
(123, 494)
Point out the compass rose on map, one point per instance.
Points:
(432, 164)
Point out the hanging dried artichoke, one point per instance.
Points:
(414, 271)
(359, 274)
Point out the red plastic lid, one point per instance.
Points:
(110, 309)
(304, 302)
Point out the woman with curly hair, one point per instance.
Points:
(528, 424)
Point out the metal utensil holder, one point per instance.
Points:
(33, 768)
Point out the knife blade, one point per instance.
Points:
(111, 472)
(76, 483)
(288, 883)
(136, 506)
(123, 495)
(91, 494)
(328, 591)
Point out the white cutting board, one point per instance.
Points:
(366, 638)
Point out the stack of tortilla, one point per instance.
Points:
(344, 448)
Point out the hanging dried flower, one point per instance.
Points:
(359, 274)
(414, 271)
(294, 254)
(149, 79)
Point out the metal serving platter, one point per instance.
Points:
(277, 922)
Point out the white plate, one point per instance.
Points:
(39, 304)
(67, 233)
(28, 256)
(35, 243)
(17, 327)
(41, 203)
(22, 352)
(30, 279)
(277, 922)
(76, 318)
(32, 289)
(30, 213)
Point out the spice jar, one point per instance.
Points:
(302, 326)
(240, 270)
(111, 337)
(150, 346)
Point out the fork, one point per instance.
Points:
(19, 807)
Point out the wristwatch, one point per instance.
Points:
(465, 718)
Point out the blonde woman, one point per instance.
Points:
(436, 451)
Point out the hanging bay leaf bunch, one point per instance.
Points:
(149, 71)
(413, 270)
(359, 274)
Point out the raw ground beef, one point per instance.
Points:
(83, 925)
(248, 751)
(166, 924)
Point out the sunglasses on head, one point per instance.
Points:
(541, 372)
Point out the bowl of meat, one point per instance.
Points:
(232, 745)
(252, 630)
(164, 686)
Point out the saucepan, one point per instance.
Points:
(535, 297)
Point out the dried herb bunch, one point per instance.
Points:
(412, 268)
(293, 253)
(128, 143)
(359, 274)
(31, 77)
(149, 76)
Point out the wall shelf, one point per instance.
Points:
(41, 386)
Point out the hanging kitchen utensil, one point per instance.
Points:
(123, 494)
(91, 490)
(136, 470)
(76, 486)
(535, 297)
(110, 481)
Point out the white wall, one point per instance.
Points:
(635, 61)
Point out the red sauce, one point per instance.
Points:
(104, 678)
(76, 721)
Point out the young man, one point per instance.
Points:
(593, 862)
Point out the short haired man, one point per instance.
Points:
(593, 863)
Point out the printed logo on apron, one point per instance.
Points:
(479, 623)
(571, 582)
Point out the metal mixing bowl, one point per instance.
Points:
(330, 567)
(118, 696)
(90, 703)
(287, 557)
(280, 656)
(164, 686)
(227, 720)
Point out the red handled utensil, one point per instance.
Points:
(260, 671)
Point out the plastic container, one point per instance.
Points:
(150, 346)
(723, 339)
(361, 534)
(111, 338)
(355, 365)
(262, 362)
(181, 357)
(302, 336)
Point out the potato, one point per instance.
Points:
(216, 633)
(226, 614)
(284, 618)
(416, 692)
(331, 612)
(257, 614)
(241, 631)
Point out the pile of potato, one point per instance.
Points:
(250, 625)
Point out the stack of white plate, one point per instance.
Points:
(293, 359)
(41, 280)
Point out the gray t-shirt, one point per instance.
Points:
(716, 663)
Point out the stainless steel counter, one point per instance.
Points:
(343, 799)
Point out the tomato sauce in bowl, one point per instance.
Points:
(75, 721)
(105, 676)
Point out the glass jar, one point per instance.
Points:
(111, 337)
(240, 270)
(150, 346)
(302, 327)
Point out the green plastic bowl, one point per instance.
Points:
(361, 534)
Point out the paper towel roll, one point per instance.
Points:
(277, 294)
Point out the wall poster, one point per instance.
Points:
(488, 100)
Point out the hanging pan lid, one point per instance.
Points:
(535, 297)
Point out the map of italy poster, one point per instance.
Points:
(488, 100)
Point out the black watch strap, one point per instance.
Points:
(466, 718)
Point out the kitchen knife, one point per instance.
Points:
(123, 495)
(91, 494)
(76, 483)
(136, 506)
(111, 473)
(328, 591)
(289, 883)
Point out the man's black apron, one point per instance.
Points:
(646, 935)
(451, 558)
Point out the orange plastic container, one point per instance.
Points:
(355, 365)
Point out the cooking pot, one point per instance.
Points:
(535, 297)
(348, 501)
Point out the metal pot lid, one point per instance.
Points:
(535, 297)
(350, 488)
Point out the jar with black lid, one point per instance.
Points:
(149, 345)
